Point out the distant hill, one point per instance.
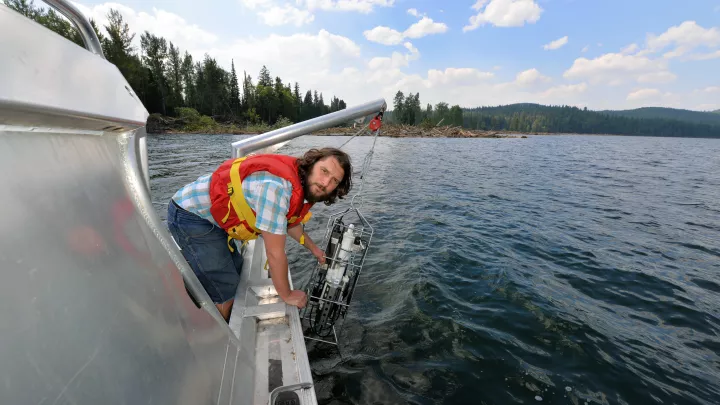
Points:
(717, 111)
(669, 113)
(536, 118)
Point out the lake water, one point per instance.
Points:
(570, 269)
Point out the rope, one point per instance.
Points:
(356, 134)
(366, 164)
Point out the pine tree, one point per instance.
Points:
(316, 105)
(307, 108)
(442, 112)
(398, 107)
(278, 102)
(187, 71)
(248, 99)
(264, 78)
(298, 102)
(164, 80)
(234, 91)
(174, 71)
(215, 95)
(24, 7)
(154, 55)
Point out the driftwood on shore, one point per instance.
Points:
(158, 124)
(410, 131)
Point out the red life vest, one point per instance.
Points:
(228, 205)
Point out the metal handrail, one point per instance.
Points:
(249, 145)
(287, 388)
(92, 43)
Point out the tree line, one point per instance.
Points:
(535, 118)
(408, 111)
(168, 81)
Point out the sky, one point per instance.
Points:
(599, 54)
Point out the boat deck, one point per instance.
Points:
(282, 369)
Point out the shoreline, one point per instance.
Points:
(388, 131)
(406, 131)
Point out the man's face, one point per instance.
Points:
(324, 177)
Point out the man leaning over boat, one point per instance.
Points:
(262, 195)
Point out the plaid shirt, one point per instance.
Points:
(268, 195)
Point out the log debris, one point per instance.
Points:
(411, 131)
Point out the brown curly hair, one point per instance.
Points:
(306, 163)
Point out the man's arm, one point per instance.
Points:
(271, 201)
(275, 249)
(277, 260)
(296, 232)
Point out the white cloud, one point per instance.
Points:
(384, 35)
(630, 49)
(457, 76)
(711, 89)
(161, 23)
(530, 77)
(397, 60)
(614, 68)
(322, 54)
(704, 56)
(644, 94)
(504, 13)
(657, 77)
(684, 38)
(585, 49)
(707, 107)
(362, 6)
(253, 4)
(556, 44)
(336, 65)
(564, 92)
(274, 15)
(426, 26)
(413, 12)
(285, 15)
(388, 36)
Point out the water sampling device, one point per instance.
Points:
(347, 239)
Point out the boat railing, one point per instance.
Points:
(87, 33)
(268, 139)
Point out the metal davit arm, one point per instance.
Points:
(245, 146)
(92, 43)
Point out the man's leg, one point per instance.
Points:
(204, 246)
(225, 308)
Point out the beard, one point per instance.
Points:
(312, 197)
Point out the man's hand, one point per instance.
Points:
(297, 233)
(297, 298)
(319, 253)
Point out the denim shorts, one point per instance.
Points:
(204, 246)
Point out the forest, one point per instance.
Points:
(183, 94)
(536, 118)
(199, 92)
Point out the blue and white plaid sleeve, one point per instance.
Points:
(195, 197)
(269, 196)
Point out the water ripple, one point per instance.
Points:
(505, 269)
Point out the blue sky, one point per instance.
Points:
(603, 54)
